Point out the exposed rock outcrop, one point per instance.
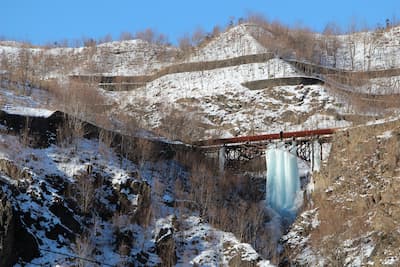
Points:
(165, 246)
(134, 197)
(15, 241)
(7, 231)
(11, 169)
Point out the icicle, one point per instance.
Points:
(283, 182)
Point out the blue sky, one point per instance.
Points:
(43, 21)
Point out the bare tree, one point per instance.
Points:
(22, 72)
(216, 31)
(85, 192)
(198, 36)
(185, 44)
(89, 42)
(84, 249)
(125, 36)
(162, 39)
(303, 43)
(147, 35)
(351, 45)
(371, 43)
(331, 43)
(151, 36)
(106, 39)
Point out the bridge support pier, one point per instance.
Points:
(312, 156)
(307, 145)
(221, 159)
(316, 155)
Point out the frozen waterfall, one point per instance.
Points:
(283, 182)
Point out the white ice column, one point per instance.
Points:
(283, 182)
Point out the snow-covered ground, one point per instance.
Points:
(54, 166)
(221, 103)
(372, 50)
(225, 105)
(381, 86)
(133, 57)
(66, 163)
(27, 111)
(235, 42)
(36, 99)
(216, 247)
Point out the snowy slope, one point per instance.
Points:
(225, 105)
(215, 100)
(133, 57)
(235, 42)
(28, 111)
(381, 86)
(46, 193)
(372, 50)
(66, 164)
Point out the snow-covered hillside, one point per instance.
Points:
(133, 57)
(238, 41)
(55, 186)
(218, 98)
(372, 50)
(79, 197)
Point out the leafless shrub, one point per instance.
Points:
(70, 131)
(178, 125)
(125, 36)
(185, 44)
(105, 141)
(199, 36)
(79, 98)
(25, 132)
(220, 202)
(85, 192)
(151, 36)
(84, 250)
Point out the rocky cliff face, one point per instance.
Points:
(355, 213)
(7, 231)
(47, 207)
(17, 244)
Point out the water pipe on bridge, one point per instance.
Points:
(308, 146)
(265, 137)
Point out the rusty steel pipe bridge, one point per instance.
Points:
(245, 148)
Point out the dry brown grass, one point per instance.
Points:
(179, 125)
(360, 164)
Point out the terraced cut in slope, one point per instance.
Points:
(218, 101)
(133, 57)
